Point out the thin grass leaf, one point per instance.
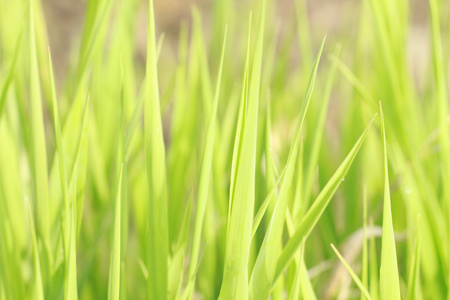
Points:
(389, 278)
(263, 272)
(158, 242)
(414, 275)
(235, 284)
(314, 213)
(39, 152)
(373, 265)
(205, 174)
(70, 292)
(38, 287)
(9, 75)
(365, 267)
(263, 208)
(114, 269)
(358, 282)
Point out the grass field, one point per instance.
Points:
(254, 158)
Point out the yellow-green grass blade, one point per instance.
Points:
(263, 272)
(441, 86)
(318, 133)
(296, 286)
(70, 292)
(268, 201)
(414, 272)
(240, 122)
(205, 174)
(365, 267)
(235, 284)
(314, 213)
(389, 278)
(57, 127)
(114, 269)
(158, 237)
(353, 274)
(38, 293)
(302, 282)
(9, 75)
(38, 147)
(373, 265)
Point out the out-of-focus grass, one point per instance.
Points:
(224, 168)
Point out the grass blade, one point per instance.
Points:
(158, 243)
(235, 284)
(316, 210)
(389, 279)
(205, 174)
(353, 274)
(39, 291)
(114, 269)
(263, 272)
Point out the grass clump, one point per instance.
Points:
(224, 164)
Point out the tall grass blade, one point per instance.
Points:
(235, 284)
(314, 213)
(158, 243)
(389, 279)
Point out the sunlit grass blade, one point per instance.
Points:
(263, 272)
(268, 201)
(9, 75)
(364, 258)
(373, 265)
(314, 213)
(235, 284)
(158, 239)
(353, 274)
(38, 287)
(414, 272)
(39, 152)
(114, 269)
(70, 292)
(389, 279)
(205, 174)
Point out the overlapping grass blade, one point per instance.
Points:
(389, 279)
(242, 191)
(9, 75)
(38, 286)
(353, 274)
(158, 243)
(114, 269)
(205, 174)
(263, 272)
(316, 210)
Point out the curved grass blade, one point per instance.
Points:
(114, 269)
(158, 240)
(39, 291)
(9, 75)
(314, 213)
(414, 279)
(389, 278)
(205, 175)
(262, 209)
(239, 230)
(39, 152)
(353, 274)
(264, 270)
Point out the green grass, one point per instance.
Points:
(224, 163)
